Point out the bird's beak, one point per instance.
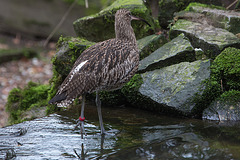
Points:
(139, 19)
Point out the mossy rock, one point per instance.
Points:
(168, 90)
(149, 44)
(176, 51)
(225, 108)
(15, 54)
(225, 69)
(100, 26)
(33, 96)
(167, 8)
(222, 87)
(217, 16)
(211, 40)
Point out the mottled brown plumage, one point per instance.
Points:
(107, 65)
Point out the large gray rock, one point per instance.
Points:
(212, 40)
(149, 44)
(170, 88)
(229, 20)
(173, 52)
(100, 26)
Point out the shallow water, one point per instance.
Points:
(133, 134)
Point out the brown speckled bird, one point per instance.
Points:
(107, 65)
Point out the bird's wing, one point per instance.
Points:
(94, 66)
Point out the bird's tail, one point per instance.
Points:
(58, 98)
(61, 100)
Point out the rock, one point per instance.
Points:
(15, 54)
(100, 26)
(167, 9)
(173, 52)
(169, 89)
(149, 44)
(226, 108)
(210, 39)
(219, 111)
(220, 18)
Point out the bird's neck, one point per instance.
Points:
(126, 33)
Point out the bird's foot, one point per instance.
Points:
(81, 124)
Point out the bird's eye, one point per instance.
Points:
(129, 14)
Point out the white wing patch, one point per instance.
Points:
(77, 69)
(73, 72)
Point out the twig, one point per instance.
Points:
(232, 4)
(60, 23)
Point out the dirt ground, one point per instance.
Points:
(18, 73)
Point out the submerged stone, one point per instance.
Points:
(210, 39)
(100, 26)
(173, 52)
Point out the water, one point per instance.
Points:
(135, 134)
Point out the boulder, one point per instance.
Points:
(169, 89)
(219, 18)
(149, 44)
(167, 9)
(173, 52)
(210, 39)
(100, 26)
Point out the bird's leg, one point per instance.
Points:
(98, 103)
(82, 118)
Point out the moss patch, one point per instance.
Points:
(226, 69)
(195, 4)
(224, 82)
(22, 100)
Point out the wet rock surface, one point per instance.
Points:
(175, 86)
(148, 136)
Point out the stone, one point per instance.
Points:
(220, 18)
(221, 111)
(173, 52)
(169, 89)
(149, 44)
(100, 26)
(210, 39)
(167, 9)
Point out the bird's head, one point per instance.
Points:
(123, 29)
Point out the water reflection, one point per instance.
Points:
(133, 134)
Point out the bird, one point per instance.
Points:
(105, 66)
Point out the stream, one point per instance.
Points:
(132, 134)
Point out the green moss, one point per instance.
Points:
(195, 4)
(21, 100)
(224, 82)
(226, 69)
(230, 97)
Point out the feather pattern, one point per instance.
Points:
(107, 65)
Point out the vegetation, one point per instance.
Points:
(224, 82)
(21, 100)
